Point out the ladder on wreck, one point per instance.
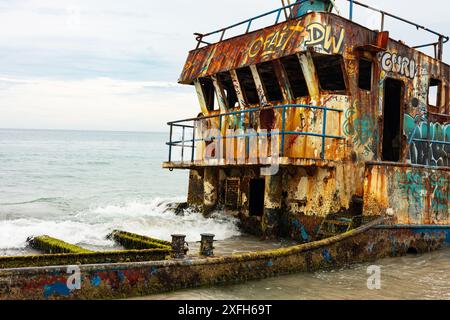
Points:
(334, 225)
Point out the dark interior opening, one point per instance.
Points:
(209, 93)
(248, 85)
(257, 189)
(230, 92)
(392, 138)
(270, 81)
(294, 71)
(412, 250)
(365, 74)
(329, 71)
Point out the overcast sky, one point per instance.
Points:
(113, 64)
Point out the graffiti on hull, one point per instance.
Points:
(422, 152)
(425, 190)
(392, 62)
(325, 37)
(362, 129)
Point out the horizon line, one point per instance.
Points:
(79, 130)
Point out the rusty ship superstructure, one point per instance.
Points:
(316, 122)
(313, 128)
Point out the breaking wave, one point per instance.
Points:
(90, 227)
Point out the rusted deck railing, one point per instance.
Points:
(190, 124)
(278, 13)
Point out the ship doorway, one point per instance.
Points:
(392, 120)
(257, 190)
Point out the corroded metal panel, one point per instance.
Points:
(325, 32)
(410, 194)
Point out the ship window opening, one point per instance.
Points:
(392, 138)
(269, 79)
(330, 73)
(209, 93)
(294, 72)
(248, 85)
(434, 93)
(230, 93)
(365, 74)
(256, 198)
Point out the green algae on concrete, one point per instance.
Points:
(51, 245)
(131, 241)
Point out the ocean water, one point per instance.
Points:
(79, 186)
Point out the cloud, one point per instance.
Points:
(93, 104)
(111, 64)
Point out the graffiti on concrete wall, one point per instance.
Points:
(422, 152)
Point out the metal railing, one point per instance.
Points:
(279, 12)
(191, 124)
(442, 39)
(200, 37)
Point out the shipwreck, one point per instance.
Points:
(313, 128)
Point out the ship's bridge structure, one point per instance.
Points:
(312, 116)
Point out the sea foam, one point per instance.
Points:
(90, 227)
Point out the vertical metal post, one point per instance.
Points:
(249, 25)
(182, 144)
(193, 141)
(170, 143)
(324, 130)
(382, 21)
(429, 153)
(178, 249)
(440, 48)
(351, 10)
(219, 152)
(207, 245)
(283, 130)
(223, 34)
(199, 40)
(278, 16)
(246, 136)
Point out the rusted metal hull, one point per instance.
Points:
(366, 244)
(412, 195)
(313, 187)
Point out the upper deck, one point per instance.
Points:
(323, 32)
(320, 85)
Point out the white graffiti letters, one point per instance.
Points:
(392, 62)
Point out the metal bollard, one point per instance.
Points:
(207, 245)
(178, 249)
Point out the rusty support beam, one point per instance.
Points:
(283, 81)
(311, 77)
(259, 86)
(201, 96)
